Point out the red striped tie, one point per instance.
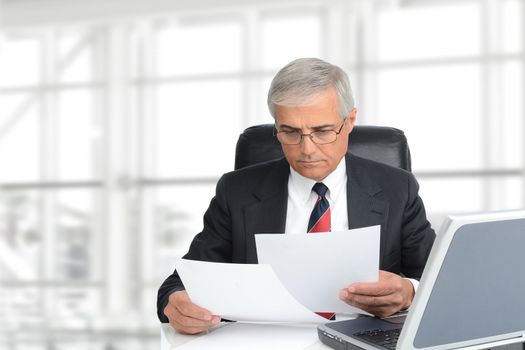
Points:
(320, 222)
(320, 217)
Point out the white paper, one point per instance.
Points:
(315, 267)
(242, 292)
(242, 336)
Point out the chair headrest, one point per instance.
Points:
(387, 145)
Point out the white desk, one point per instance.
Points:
(258, 339)
(255, 337)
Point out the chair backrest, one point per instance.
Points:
(387, 145)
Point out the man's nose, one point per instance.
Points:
(307, 145)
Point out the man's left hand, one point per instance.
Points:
(382, 298)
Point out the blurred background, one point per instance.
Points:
(117, 117)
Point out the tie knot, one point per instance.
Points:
(320, 188)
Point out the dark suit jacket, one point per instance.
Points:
(254, 199)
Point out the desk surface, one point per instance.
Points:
(253, 337)
(241, 336)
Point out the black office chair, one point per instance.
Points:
(383, 144)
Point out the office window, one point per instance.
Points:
(20, 138)
(509, 116)
(454, 91)
(75, 56)
(20, 63)
(452, 195)
(50, 238)
(77, 247)
(198, 123)
(21, 232)
(285, 38)
(261, 114)
(510, 18)
(77, 135)
(429, 32)
(438, 108)
(198, 47)
(174, 225)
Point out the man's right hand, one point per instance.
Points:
(186, 317)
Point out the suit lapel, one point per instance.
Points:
(268, 213)
(364, 208)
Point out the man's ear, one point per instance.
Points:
(351, 119)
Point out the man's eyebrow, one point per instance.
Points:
(324, 126)
(317, 127)
(289, 127)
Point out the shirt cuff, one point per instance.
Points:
(415, 284)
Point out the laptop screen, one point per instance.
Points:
(482, 281)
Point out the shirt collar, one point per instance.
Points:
(334, 181)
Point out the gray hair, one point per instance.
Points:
(303, 78)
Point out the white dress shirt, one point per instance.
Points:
(301, 201)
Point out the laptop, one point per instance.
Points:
(471, 295)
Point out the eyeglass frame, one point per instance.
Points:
(277, 132)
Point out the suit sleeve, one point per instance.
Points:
(212, 244)
(417, 234)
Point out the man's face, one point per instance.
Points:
(321, 113)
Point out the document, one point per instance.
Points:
(242, 292)
(315, 267)
(297, 275)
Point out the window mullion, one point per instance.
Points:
(120, 241)
(368, 85)
(251, 62)
(48, 166)
(145, 119)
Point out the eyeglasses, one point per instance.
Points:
(321, 137)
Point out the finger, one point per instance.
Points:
(190, 322)
(392, 300)
(185, 307)
(388, 284)
(187, 330)
(188, 325)
(184, 323)
(376, 311)
(373, 288)
(379, 306)
(194, 311)
(370, 300)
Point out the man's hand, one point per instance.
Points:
(383, 298)
(186, 317)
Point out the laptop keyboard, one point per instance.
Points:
(386, 339)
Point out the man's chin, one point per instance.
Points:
(314, 173)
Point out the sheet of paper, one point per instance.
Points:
(242, 292)
(242, 336)
(315, 267)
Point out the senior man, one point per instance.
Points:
(316, 187)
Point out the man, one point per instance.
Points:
(312, 104)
